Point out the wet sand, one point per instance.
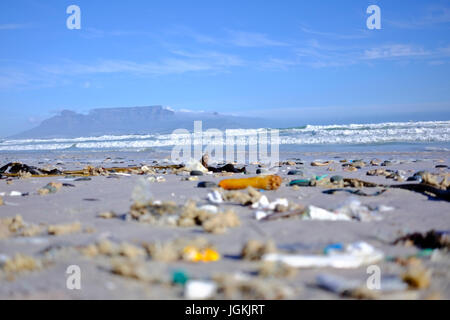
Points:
(85, 200)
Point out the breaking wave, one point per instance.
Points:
(351, 134)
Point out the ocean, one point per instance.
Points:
(389, 136)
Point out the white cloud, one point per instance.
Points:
(12, 26)
(252, 39)
(433, 15)
(334, 35)
(394, 51)
(182, 63)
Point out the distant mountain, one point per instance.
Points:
(135, 120)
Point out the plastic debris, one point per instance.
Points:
(300, 182)
(336, 284)
(263, 203)
(193, 254)
(333, 247)
(357, 211)
(259, 215)
(215, 197)
(316, 213)
(194, 165)
(15, 194)
(206, 184)
(209, 208)
(199, 289)
(179, 277)
(354, 256)
(270, 182)
(156, 179)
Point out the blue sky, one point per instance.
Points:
(295, 61)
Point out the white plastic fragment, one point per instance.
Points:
(15, 194)
(263, 203)
(335, 283)
(199, 289)
(383, 208)
(260, 214)
(215, 197)
(316, 213)
(209, 208)
(156, 179)
(354, 256)
(193, 164)
(123, 174)
(354, 209)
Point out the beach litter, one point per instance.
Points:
(280, 204)
(269, 182)
(206, 184)
(193, 165)
(199, 289)
(215, 197)
(156, 179)
(194, 254)
(195, 250)
(316, 213)
(16, 194)
(357, 192)
(353, 256)
(354, 209)
(51, 187)
(179, 277)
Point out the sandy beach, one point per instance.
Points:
(101, 204)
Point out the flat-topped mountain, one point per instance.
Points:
(134, 120)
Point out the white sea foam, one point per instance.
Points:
(351, 134)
